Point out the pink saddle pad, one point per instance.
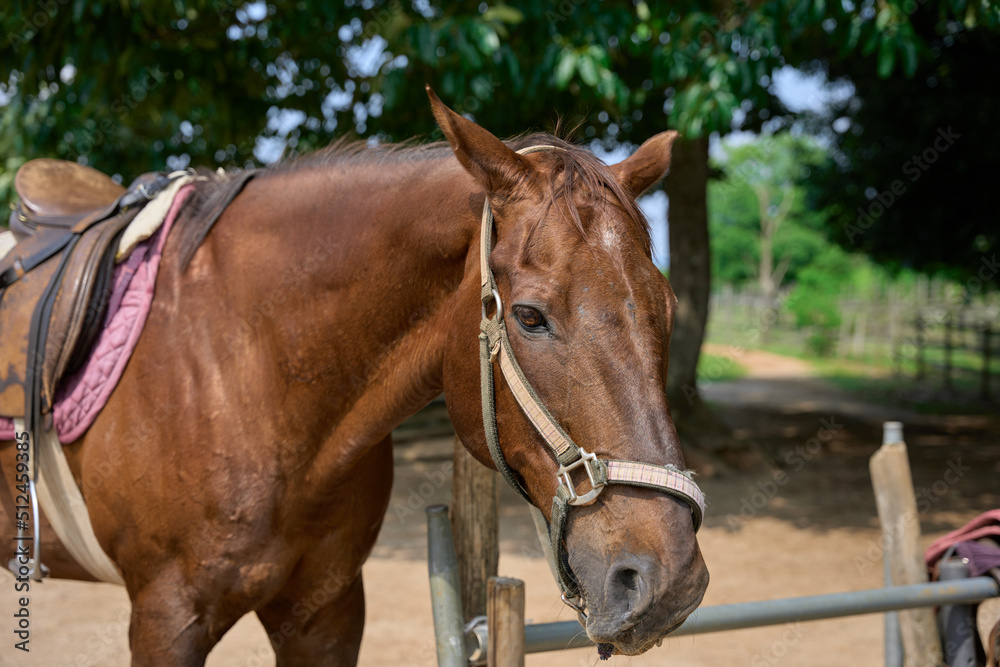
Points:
(82, 395)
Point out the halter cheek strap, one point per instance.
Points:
(494, 346)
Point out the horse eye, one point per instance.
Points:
(529, 318)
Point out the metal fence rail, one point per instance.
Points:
(540, 637)
(569, 634)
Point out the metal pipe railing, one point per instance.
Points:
(446, 594)
(456, 646)
(541, 637)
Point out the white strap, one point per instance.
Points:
(66, 510)
(7, 243)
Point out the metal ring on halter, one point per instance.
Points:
(496, 297)
(575, 606)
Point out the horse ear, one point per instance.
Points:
(499, 169)
(647, 165)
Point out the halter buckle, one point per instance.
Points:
(590, 463)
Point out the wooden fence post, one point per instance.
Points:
(897, 513)
(474, 525)
(506, 622)
(984, 380)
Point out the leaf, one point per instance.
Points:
(588, 70)
(504, 14)
(909, 50)
(799, 12)
(871, 41)
(470, 55)
(450, 84)
(886, 58)
(565, 68)
(427, 44)
(883, 19)
(485, 37)
(853, 35)
(513, 70)
(395, 27)
(970, 17)
(599, 55)
(819, 9)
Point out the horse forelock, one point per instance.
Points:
(574, 172)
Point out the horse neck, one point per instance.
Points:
(391, 256)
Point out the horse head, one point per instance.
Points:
(576, 321)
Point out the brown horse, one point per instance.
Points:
(244, 461)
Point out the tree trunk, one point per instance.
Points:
(690, 270)
(709, 446)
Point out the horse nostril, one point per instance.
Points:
(628, 588)
(629, 578)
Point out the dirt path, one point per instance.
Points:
(807, 526)
(790, 386)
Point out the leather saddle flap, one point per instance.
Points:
(77, 311)
(16, 307)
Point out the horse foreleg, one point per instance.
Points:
(170, 627)
(317, 629)
(318, 616)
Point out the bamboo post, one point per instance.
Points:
(921, 370)
(734, 315)
(895, 308)
(878, 333)
(947, 353)
(506, 622)
(474, 524)
(897, 513)
(847, 316)
(858, 344)
(984, 380)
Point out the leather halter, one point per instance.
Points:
(494, 344)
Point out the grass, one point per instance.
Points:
(874, 380)
(719, 368)
(878, 384)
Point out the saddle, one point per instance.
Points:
(55, 282)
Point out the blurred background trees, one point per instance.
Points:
(800, 188)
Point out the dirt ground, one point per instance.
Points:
(806, 526)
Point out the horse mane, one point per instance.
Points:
(575, 164)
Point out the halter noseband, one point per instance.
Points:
(494, 344)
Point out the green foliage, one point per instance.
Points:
(202, 79)
(719, 368)
(780, 164)
(923, 121)
(128, 86)
(814, 299)
(732, 225)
